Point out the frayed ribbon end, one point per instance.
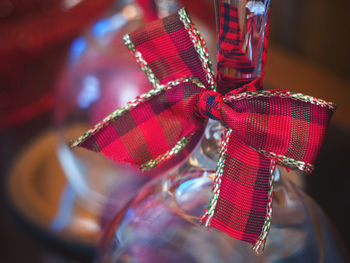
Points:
(259, 246)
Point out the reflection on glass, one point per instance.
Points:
(99, 76)
(161, 224)
(252, 19)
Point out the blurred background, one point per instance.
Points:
(309, 52)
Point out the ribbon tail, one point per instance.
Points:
(259, 245)
(241, 197)
(208, 215)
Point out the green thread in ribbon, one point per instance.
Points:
(217, 183)
(287, 161)
(200, 46)
(132, 104)
(260, 243)
(181, 144)
(282, 94)
(141, 61)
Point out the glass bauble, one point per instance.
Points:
(161, 224)
(98, 77)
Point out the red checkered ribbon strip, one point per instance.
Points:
(264, 128)
(230, 41)
(231, 53)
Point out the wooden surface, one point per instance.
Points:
(317, 29)
(287, 71)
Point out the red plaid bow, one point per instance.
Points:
(264, 128)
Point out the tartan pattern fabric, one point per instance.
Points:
(150, 129)
(168, 50)
(264, 128)
(230, 55)
(279, 123)
(209, 105)
(227, 83)
(230, 49)
(264, 125)
(243, 198)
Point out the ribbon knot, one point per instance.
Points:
(209, 104)
(264, 128)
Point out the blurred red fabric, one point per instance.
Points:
(35, 36)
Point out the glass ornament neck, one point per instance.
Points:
(252, 19)
(206, 154)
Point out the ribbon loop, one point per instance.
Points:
(286, 127)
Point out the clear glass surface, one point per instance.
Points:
(161, 224)
(99, 77)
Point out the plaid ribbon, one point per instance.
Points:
(263, 128)
(230, 52)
